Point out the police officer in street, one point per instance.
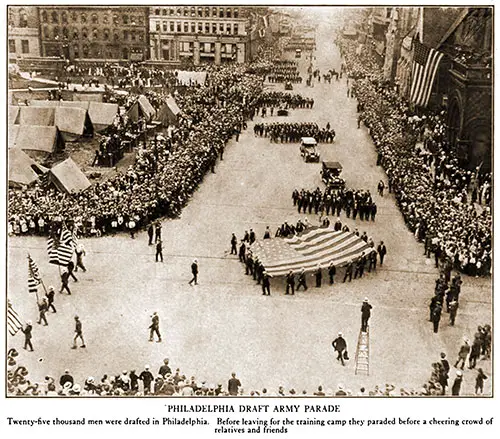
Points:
(154, 328)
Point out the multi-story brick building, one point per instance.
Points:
(198, 34)
(24, 41)
(94, 32)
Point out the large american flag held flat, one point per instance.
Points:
(316, 245)
(425, 64)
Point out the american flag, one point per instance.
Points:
(34, 278)
(425, 64)
(60, 249)
(13, 321)
(316, 245)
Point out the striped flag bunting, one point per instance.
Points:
(34, 278)
(425, 64)
(316, 245)
(60, 250)
(13, 321)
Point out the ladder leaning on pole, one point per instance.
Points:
(363, 352)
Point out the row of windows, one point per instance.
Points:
(197, 27)
(92, 18)
(188, 46)
(94, 34)
(25, 46)
(199, 12)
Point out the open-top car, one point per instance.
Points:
(330, 174)
(308, 149)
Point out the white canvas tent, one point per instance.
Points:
(68, 177)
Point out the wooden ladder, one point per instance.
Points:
(363, 352)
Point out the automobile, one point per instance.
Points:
(308, 149)
(288, 86)
(330, 174)
(298, 53)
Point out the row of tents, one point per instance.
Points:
(43, 127)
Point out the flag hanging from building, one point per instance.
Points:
(13, 321)
(60, 249)
(316, 245)
(34, 278)
(425, 64)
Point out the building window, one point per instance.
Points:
(116, 37)
(105, 19)
(12, 46)
(228, 13)
(158, 26)
(221, 12)
(214, 28)
(44, 16)
(193, 11)
(193, 27)
(221, 28)
(186, 27)
(74, 17)
(141, 36)
(85, 51)
(172, 26)
(132, 36)
(235, 29)
(55, 17)
(76, 51)
(140, 20)
(83, 18)
(157, 11)
(76, 35)
(186, 12)
(200, 12)
(200, 27)
(228, 29)
(105, 34)
(85, 33)
(235, 13)
(165, 26)
(179, 11)
(125, 19)
(171, 11)
(65, 32)
(64, 18)
(179, 27)
(207, 28)
(95, 19)
(164, 11)
(95, 34)
(23, 19)
(125, 35)
(115, 19)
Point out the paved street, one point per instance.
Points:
(224, 324)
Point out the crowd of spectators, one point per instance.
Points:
(165, 173)
(292, 132)
(431, 188)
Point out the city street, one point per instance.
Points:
(224, 324)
